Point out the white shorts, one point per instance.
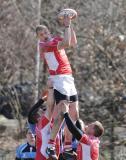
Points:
(64, 84)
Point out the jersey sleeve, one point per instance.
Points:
(32, 115)
(59, 38)
(85, 139)
(51, 45)
(95, 151)
(72, 127)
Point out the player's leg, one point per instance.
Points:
(50, 103)
(74, 107)
(60, 98)
(66, 87)
(50, 99)
(57, 122)
(74, 113)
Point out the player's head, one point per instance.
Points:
(96, 129)
(40, 112)
(30, 137)
(42, 32)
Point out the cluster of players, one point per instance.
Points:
(54, 119)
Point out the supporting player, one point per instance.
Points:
(40, 118)
(88, 147)
(53, 53)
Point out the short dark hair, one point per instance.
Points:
(40, 28)
(99, 129)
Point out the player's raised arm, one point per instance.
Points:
(73, 41)
(65, 43)
(71, 126)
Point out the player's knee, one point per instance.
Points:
(63, 101)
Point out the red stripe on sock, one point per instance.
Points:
(67, 143)
(51, 141)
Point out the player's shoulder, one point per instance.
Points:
(85, 139)
(21, 146)
(95, 142)
(44, 121)
(58, 38)
(91, 140)
(42, 43)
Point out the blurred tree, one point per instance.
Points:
(98, 61)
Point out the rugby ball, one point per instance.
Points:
(68, 11)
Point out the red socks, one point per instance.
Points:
(67, 146)
(51, 143)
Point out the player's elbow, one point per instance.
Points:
(63, 45)
(74, 44)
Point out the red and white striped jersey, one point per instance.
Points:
(88, 148)
(42, 126)
(43, 129)
(55, 59)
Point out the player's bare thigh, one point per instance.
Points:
(74, 110)
(58, 117)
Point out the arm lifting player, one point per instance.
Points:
(88, 147)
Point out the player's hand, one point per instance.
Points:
(44, 95)
(67, 20)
